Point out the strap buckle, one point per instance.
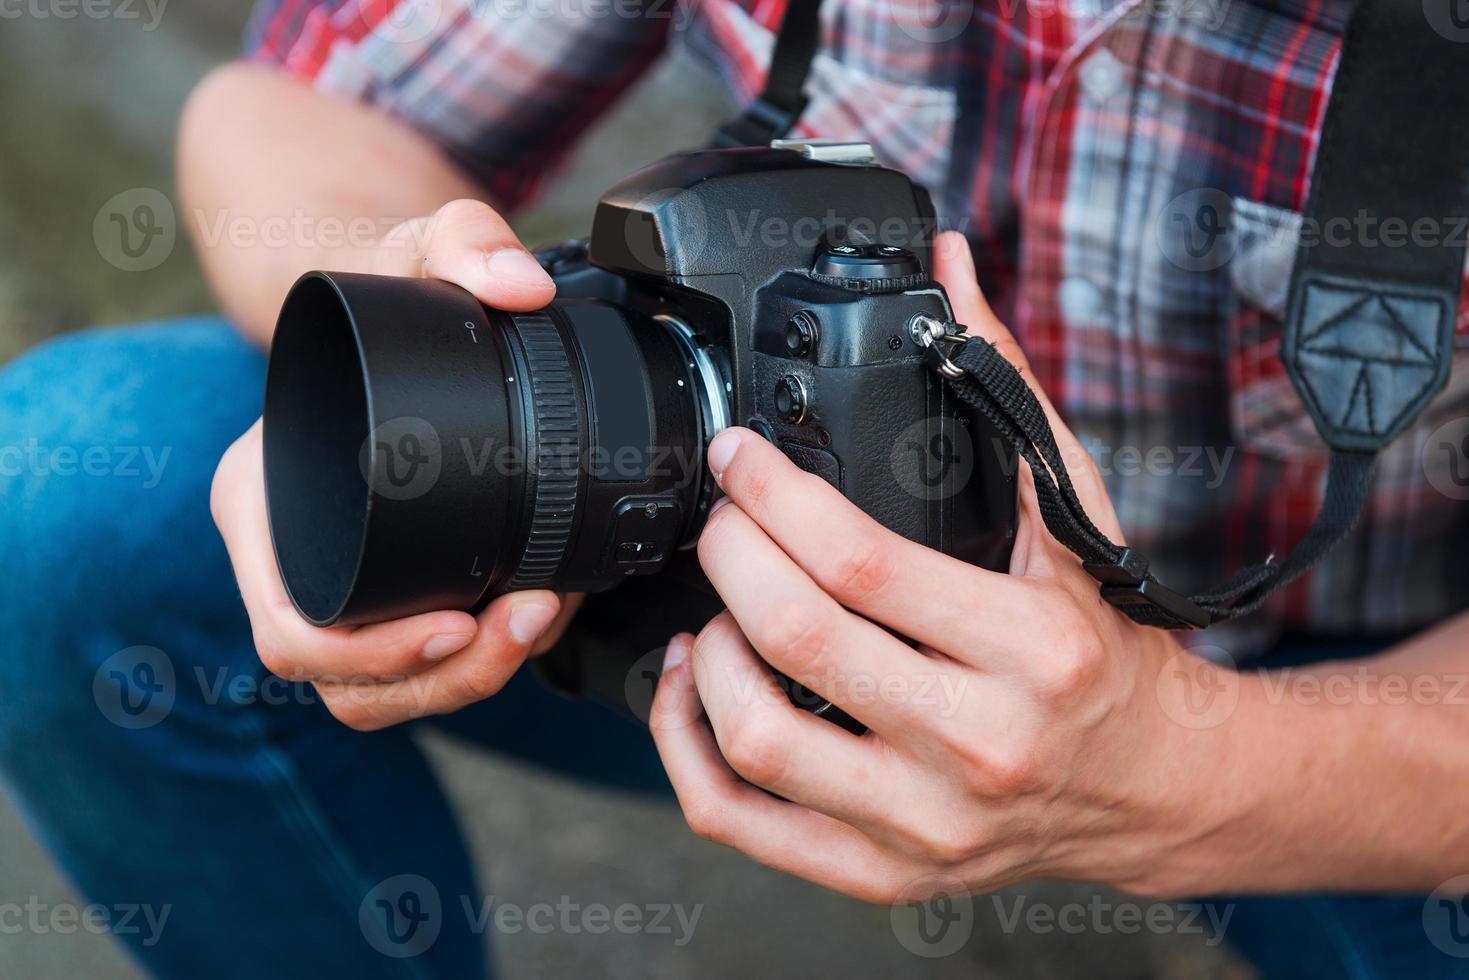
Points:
(1127, 585)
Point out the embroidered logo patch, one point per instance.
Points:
(1365, 359)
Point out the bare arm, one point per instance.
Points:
(1348, 775)
(276, 179)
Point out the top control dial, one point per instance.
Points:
(869, 268)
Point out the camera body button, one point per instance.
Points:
(791, 403)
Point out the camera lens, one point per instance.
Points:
(425, 452)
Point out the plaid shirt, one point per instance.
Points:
(1129, 172)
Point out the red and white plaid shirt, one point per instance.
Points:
(1129, 172)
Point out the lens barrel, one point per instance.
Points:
(425, 452)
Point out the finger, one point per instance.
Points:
(468, 243)
(954, 269)
(924, 594)
(802, 632)
(508, 629)
(288, 645)
(721, 807)
(770, 743)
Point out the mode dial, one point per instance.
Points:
(869, 268)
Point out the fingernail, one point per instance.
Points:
(529, 620)
(721, 451)
(677, 652)
(718, 504)
(513, 265)
(439, 647)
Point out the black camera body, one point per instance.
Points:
(773, 288)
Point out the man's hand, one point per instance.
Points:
(1024, 736)
(378, 675)
(371, 677)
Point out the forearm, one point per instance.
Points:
(1344, 776)
(276, 178)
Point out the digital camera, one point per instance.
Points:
(424, 451)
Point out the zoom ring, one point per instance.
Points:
(558, 423)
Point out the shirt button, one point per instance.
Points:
(1101, 75)
(1081, 302)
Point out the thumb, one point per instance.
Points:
(467, 243)
(953, 266)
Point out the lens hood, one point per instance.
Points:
(385, 402)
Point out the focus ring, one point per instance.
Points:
(557, 421)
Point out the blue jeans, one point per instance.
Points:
(152, 755)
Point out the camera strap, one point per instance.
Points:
(780, 103)
(1367, 339)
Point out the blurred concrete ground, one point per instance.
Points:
(87, 110)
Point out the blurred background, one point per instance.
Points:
(88, 108)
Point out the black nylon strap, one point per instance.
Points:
(783, 99)
(1375, 286)
(993, 387)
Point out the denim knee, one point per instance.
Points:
(108, 443)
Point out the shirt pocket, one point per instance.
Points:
(1265, 413)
